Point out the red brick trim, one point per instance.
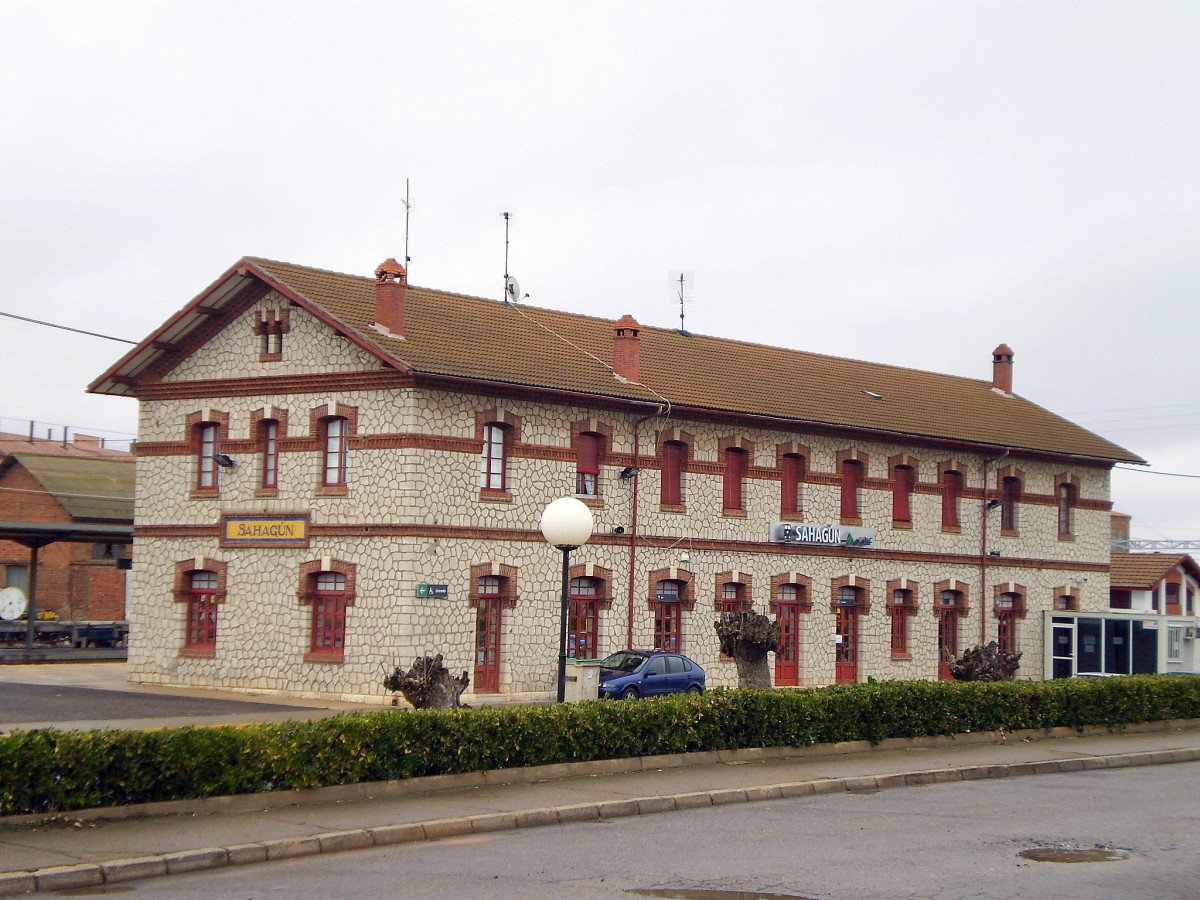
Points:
(687, 596)
(734, 577)
(319, 414)
(804, 601)
(1064, 591)
(273, 385)
(495, 416)
(1009, 587)
(854, 581)
(198, 652)
(181, 589)
(308, 579)
(193, 423)
(963, 605)
(603, 579)
(912, 603)
(508, 583)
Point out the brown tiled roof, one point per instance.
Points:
(80, 447)
(1143, 571)
(487, 340)
(94, 490)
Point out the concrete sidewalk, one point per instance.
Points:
(100, 847)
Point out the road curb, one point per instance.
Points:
(87, 875)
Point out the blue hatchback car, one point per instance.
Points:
(629, 674)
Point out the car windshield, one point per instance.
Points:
(624, 662)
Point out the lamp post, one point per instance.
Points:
(566, 524)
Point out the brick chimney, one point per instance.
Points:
(627, 348)
(390, 287)
(1002, 368)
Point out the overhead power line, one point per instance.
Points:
(68, 328)
(1152, 472)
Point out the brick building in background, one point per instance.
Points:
(46, 481)
(337, 474)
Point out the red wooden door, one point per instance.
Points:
(846, 665)
(787, 657)
(487, 640)
(947, 640)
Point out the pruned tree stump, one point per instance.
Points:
(748, 637)
(428, 684)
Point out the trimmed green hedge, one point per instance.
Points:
(48, 770)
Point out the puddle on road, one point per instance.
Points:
(702, 894)
(1059, 855)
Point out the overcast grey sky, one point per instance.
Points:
(910, 183)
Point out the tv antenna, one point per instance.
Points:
(407, 210)
(512, 290)
(682, 285)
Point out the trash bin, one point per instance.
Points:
(583, 680)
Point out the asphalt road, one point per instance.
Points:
(940, 842)
(23, 703)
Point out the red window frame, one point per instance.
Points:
(202, 611)
(902, 485)
(733, 597)
(948, 621)
(583, 619)
(335, 443)
(668, 617)
(269, 437)
(587, 465)
(789, 484)
(1066, 505)
(899, 616)
(735, 473)
(208, 435)
(851, 476)
(846, 649)
(328, 635)
(489, 627)
(1010, 493)
(951, 490)
(1006, 622)
(671, 491)
(493, 463)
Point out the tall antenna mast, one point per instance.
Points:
(512, 290)
(681, 282)
(407, 210)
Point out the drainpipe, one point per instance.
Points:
(983, 534)
(633, 523)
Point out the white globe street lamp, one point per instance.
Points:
(566, 524)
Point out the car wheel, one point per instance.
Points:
(695, 689)
(630, 693)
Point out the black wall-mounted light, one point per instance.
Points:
(629, 471)
(224, 461)
(992, 504)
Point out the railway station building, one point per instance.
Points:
(339, 473)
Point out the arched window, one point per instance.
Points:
(1067, 498)
(335, 452)
(208, 436)
(328, 634)
(202, 611)
(791, 476)
(1008, 607)
(493, 464)
(1010, 495)
(587, 465)
(952, 484)
(735, 473)
(268, 436)
(668, 621)
(851, 479)
(583, 619)
(673, 453)
(899, 609)
(948, 604)
(733, 598)
(902, 487)
(846, 636)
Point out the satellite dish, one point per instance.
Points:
(512, 290)
(12, 603)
